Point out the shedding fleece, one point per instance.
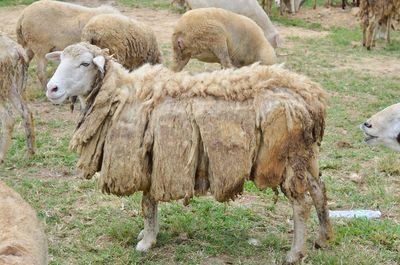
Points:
(176, 135)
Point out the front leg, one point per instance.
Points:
(148, 236)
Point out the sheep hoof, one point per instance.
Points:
(144, 245)
(293, 257)
(140, 235)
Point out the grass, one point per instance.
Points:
(85, 226)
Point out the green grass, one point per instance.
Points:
(85, 226)
(15, 2)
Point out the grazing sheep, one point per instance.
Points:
(131, 42)
(13, 75)
(248, 8)
(46, 26)
(224, 37)
(375, 13)
(175, 135)
(383, 128)
(22, 238)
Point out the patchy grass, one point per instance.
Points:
(87, 227)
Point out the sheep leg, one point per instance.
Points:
(7, 125)
(148, 236)
(178, 64)
(301, 211)
(222, 54)
(41, 71)
(315, 4)
(281, 7)
(23, 109)
(293, 10)
(364, 25)
(388, 26)
(318, 194)
(371, 32)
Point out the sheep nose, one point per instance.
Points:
(366, 124)
(53, 89)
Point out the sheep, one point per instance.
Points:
(225, 37)
(22, 237)
(13, 75)
(177, 135)
(131, 42)
(383, 128)
(374, 14)
(46, 26)
(248, 8)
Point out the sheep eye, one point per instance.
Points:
(85, 64)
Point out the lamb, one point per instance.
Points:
(22, 237)
(46, 26)
(248, 8)
(177, 135)
(225, 37)
(375, 13)
(13, 75)
(131, 42)
(383, 128)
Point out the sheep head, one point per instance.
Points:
(80, 66)
(383, 128)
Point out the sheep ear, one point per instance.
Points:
(100, 61)
(53, 56)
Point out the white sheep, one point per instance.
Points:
(383, 128)
(248, 8)
(131, 42)
(13, 75)
(46, 26)
(176, 135)
(225, 37)
(22, 237)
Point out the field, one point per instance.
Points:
(86, 227)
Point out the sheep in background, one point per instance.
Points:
(22, 237)
(13, 75)
(46, 26)
(248, 8)
(372, 15)
(131, 42)
(231, 39)
(176, 135)
(383, 128)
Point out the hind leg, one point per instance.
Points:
(7, 125)
(318, 194)
(148, 236)
(301, 212)
(23, 109)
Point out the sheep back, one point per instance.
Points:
(177, 136)
(131, 42)
(46, 26)
(13, 67)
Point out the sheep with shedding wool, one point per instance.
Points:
(176, 135)
(13, 75)
(228, 38)
(46, 26)
(22, 237)
(131, 42)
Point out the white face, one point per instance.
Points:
(383, 128)
(74, 75)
